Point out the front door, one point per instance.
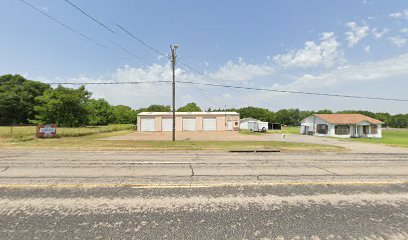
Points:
(230, 125)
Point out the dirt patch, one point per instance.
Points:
(193, 136)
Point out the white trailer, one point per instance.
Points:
(257, 126)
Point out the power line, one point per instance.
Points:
(297, 92)
(61, 23)
(199, 72)
(107, 83)
(215, 82)
(141, 41)
(89, 16)
(130, 53)
(238, 87)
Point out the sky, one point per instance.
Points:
(351, 47)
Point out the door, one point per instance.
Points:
(189, 124)
(209, 124)
(147, 125)
(230, 125)
(167, 124)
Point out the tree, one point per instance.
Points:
(123, 114)
(63, 106)
(17, 96)
(291, 117)
(155, 108)
(190, 107)
(100, 112)
(257, 113)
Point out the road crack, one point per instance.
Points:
(326, 170)
(5, 169)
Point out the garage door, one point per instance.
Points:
(167, 124)
(147, 125)
(209, 124)
(189, 124)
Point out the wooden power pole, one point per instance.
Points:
(173, 63)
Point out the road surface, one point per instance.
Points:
(202, 195)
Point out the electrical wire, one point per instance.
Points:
(141, 41)
(107, 83)
(130, 52)
(238, 87)
(89, 16)
(296, 92)
(61, 23)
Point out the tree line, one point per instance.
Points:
(25, 101)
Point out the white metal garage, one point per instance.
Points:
(167, 124)
(147, 125)
(189, 124)
(209, 124)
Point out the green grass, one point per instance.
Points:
(28, 132)
(285, 130)
(94, 142)
(393, 137)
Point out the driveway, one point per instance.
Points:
(357, 147)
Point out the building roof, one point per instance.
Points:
(248, 119)
(186, 113)
(342, 118)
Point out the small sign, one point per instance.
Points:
(46, 131)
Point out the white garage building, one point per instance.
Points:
(188, 121)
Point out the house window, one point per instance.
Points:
(322, 128)
(374, 129)
(236, 123)
(365, 130)
(342, 129)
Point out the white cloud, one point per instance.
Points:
(379, 34)
(404, 30)
(385, 70)
(242, 71)
(356, 33)
(400, 15)
(398, 41)
(367, 49)
(325, 53)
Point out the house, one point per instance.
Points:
(187, 121)
(341, 125)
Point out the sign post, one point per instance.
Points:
(46, 131)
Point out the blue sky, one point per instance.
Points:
(342, 47)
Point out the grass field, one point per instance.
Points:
(285, 130)
(93, 142)
(28, 132)
(393, 137)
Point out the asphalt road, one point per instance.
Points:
(202, 195)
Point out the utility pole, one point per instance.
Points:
(173, 63)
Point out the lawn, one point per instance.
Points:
(285, 130)
(393, 137)
(28, 132)
(93, 142)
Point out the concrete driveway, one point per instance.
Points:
(358, 147)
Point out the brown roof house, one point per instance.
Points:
(341, 125)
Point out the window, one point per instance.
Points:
(342, 129)
(322, 128)
(365, 130)
(374, 129)
(236, 123)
